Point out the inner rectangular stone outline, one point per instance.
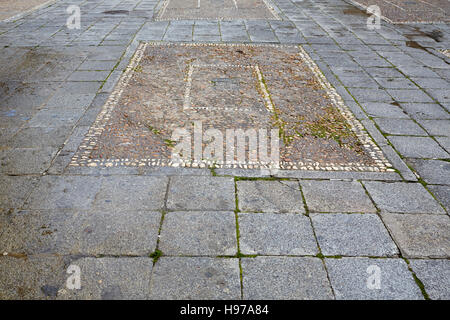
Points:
(81, 157)
(163, 16)
(187, 95)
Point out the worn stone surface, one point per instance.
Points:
(418, 147)
(15, 189)
(199, 234)
(269, 196)
(442, 193)
(432, 171)
(352, 279)
(132, 192)
(425, 111)
(108, 232)
(402, 197)
(420, 236)
(64, 192)
(400, 127)
(435, 276)
(26, 161)
(31, 277)
(111, 279)
(352, 235)
(201, 193)
(176, 278)
(437, 127)
(276, 234)
(286, 278)
(336, 196)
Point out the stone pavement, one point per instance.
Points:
(14, 9)
(168, 232)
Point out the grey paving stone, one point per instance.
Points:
(395, 83)
(353, 279)
(260, 31)
(437, 127)
(370, 95)
(109, 232)
(420, 236)
(383, 72)
(442, 193)
(290, 37)
(384, 110)
(269, 196)
(400, 127)
(399, 197)
(415, 70)
(206, 30)
(151, 35)
(173, 34)
(352, 235)
(336, 196)
(74, 140)
(441, 95)
(207, 38)
(418, 147)
(432, 171)
(348, 71)
(131, 193)
(26, 161)
(56, 117)
(89, 76)
(235, 38)
(276, 234)
(431, 83)
(64, 192)
(177, 278)
(409, 95)
(358, 82)
(233, 33)
(109, 84)
(76, 87)
(201, 193)
(425, 111)
(435, 276)
(199, 234)
(31, 277)
(372, 62)
(40, 137)
(30, 97)
(444, 142)
(68, 99)
(285, 278)
(111, 279)
(15, 189)
(97, 65)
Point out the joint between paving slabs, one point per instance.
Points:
(238, 235)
